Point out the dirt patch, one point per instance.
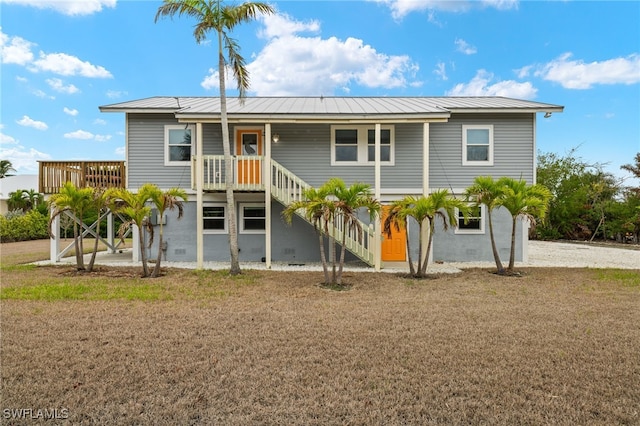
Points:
(552, 346)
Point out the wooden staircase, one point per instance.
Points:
(287, 188)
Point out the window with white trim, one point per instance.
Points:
(477, 145)
(214, 218)
(252, 218)
(475, 221)
(355, 145)
(178, 144)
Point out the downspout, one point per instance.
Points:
(425, 181)
(266, 178)
(377, 192)
(199, 197)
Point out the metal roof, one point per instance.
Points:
(310, 108)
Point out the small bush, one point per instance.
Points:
(29, 226)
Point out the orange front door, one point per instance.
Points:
(395, 248)
(249, 143)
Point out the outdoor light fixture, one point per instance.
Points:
(275, 138)
(547, 114)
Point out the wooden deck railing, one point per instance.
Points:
(98, 174)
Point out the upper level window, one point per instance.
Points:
(355, 145)
(385, 145)
(252, 218)
(477, 145)
(475, 221)
(177, 145)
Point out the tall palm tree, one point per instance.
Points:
(78, 201)
(163, 201)
(319, 210)
(425, 210)
(348, 201)
(33, 198)
(5, 168)
(397, 215)
(522, 200)
(211, 15)
(485, 190)
(134, 206)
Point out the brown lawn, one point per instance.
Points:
(554, 346)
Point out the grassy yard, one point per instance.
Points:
(557, 346)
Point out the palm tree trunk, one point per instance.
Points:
(423, 271)
(496, 255)
(412, 269)
(76, 245)
(342, 250)
(323, 257)
(228, 171)
(419, 265)
(143, 252)
(156, 269)
(512, 254)
(95, 245)
(332, 257)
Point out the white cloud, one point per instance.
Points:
(67, 7)
(71, 112)
(576, 74)
(291, 64)
(84, 135)
(401, 8)
(79, 134)
(100, 121)
(464, 47)
(120, 151)
(441, 70)
(7, 140)
(481, 85)
(24, 161)
(15, 50)
(27, 121)
(115, 94)
(63, 64)
(57, 85)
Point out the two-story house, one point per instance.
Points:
(281, 145)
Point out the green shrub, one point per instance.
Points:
(29, 226)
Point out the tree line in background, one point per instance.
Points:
(588, 203)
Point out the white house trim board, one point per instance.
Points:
(267, 193)
(199, 196)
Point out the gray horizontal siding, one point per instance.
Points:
(513, 149)
(146, 153)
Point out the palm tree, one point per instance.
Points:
(487, 191)
(522, 200)
(77, 201)
(425, 210)
(33, 198)
(134, 207)
(17, 200)
(319, 210)
(397, 216)
(211, 15)
(99, 201)
(163, 201)
(5, 168)
(348, 200)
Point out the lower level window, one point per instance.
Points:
(252, 218)
(214, 218)
(474, 223)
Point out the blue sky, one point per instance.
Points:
(62, 59)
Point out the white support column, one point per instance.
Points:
(199, 197)
(425, 161)
(425, 180)
(110, 235)
(266, 178)
(136, 244)
(54, 242)
(377, 193)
